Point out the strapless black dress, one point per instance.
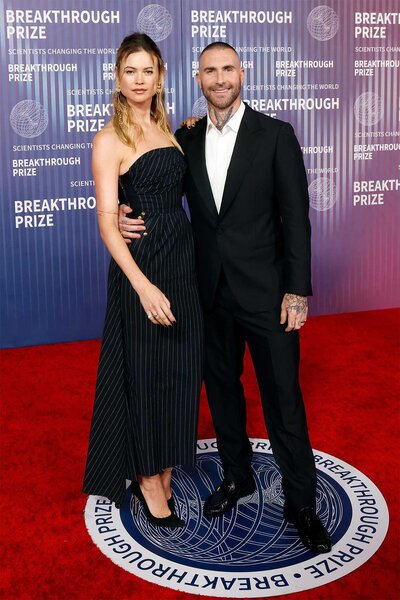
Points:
(148, 385)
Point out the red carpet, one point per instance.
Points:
(350, 383)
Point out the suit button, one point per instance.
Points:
(220, 230)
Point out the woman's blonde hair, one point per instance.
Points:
(126, 127)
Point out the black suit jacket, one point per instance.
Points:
(261, 237)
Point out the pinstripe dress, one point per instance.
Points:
(149, 377)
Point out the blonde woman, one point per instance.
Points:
(146, 406)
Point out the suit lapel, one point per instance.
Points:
(241, 160)
(196, 157)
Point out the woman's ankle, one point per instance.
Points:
(165, 476)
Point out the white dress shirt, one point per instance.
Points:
(219, 149)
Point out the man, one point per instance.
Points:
(247, 193)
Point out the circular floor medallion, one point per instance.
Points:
(252, 551)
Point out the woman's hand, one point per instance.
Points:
(156, 306)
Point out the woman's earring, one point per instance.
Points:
(159, 87)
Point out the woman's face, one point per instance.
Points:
(138, 77)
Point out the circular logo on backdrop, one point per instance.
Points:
(251, 551)
(155, 21)
(323, 23)
(322, 193)
(199, 108)
(29, 118)
(368, 108)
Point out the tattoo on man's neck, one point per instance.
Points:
(222, 118)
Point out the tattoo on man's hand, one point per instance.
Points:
(296, 303)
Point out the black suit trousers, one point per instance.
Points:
(275, 356)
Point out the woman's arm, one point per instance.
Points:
(105, 166)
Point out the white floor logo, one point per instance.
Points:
(251, 551)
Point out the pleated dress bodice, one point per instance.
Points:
(152, 187)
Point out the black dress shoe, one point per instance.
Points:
(311, 531)
(224, 498)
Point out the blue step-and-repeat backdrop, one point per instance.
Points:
(331, 68)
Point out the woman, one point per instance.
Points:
(148, 385)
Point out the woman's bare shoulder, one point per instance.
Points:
(106, 135)
(107, 143)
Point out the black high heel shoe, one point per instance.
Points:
(171, 503)
(171, 521)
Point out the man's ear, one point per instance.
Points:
(198, 79)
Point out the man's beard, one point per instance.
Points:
(222, 103)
